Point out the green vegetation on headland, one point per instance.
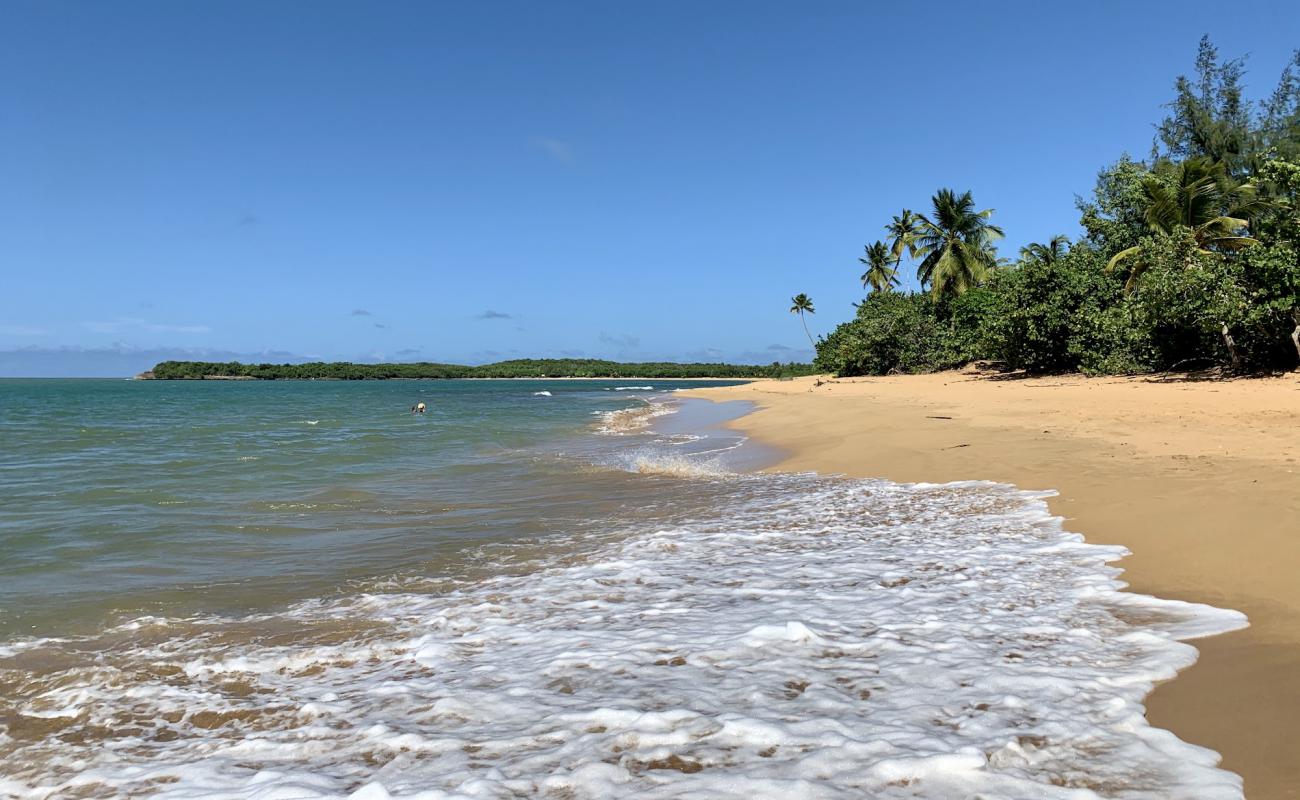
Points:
(519, 368)
(1189, 260)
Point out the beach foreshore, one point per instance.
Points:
(1199, 479)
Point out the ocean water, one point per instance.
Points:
(553, 589)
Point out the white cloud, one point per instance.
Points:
(22, 330)
(556, 149)
(179, 328)
(623, 341)
(122, 324)
(118, 359)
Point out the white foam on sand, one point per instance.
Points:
(811, 637)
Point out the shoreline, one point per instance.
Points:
(365, 380)
(1199, 480)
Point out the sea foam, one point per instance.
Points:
(675, 465)
(634, 419)
(809, 637)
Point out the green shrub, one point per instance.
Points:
(1046, 317)
(1108, 341)
(892, 332)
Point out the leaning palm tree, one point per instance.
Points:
(803, 304)
(903, 230)
(882, 270)
(1048, 253)
(1196, 194)
(955, 245)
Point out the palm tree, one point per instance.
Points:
(903, 230)
(880, 275)
(1199, 197)
(1048, 253)
(803, 304)
(956, 245)
(1196, 194)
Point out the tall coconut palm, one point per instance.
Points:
(1048, 253)
(903, 230)
(1196, 194)
(802, 304)
(955, 244)
(882, 269)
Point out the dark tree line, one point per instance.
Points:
(520, 368)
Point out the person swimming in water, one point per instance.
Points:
(418, 408)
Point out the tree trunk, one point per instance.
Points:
(806, 333)
(1295, 333)
(1231, 344)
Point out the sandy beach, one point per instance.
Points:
(1199, 479)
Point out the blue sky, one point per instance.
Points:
(474, 181)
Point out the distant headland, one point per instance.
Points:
(518, 368)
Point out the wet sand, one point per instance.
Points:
(1201, 480)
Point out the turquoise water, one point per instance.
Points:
(171, 497)
(560, 589)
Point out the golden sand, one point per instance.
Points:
(1200, 479)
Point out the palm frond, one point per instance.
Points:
(1121, 257)
(1232, 243)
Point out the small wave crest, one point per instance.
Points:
(676, 465)
(632, 420)
(541, 394)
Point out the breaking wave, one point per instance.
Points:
(634, 419)
(676, 465)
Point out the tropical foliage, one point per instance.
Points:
(802, 304)
(956, 245)
(1188, 259)
(903, 231)
(521, 368)
(1049, 253)
(1198, 196)
(882, 272)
